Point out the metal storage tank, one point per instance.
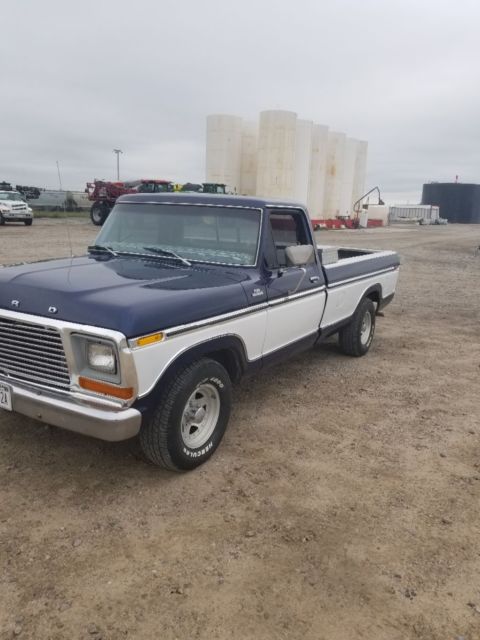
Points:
(276, 154)
(318, 164)
(303, 153)
(224, 150)
(458, 202)
(348, 177)
(248, 169)
(360, 171)
(334, 174)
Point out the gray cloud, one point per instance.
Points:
(82, 77)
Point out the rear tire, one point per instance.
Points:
(2, 219)
(190, 418)
(355, 339)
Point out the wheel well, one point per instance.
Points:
(229, 351)
(230, 360)
(374, 294)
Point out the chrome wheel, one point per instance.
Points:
(200, 415)
(366, 328)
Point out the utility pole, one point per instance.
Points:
(117, 152)
(59, 178)
(60, 183)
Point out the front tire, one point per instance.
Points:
(98, 213)
(28, 223)
(355, 339)
(190, 418)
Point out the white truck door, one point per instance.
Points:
(296, 296)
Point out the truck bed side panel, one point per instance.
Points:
(360, 267)
(343, 299)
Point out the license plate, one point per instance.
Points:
(5, 397)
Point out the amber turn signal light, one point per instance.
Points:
(125, 393)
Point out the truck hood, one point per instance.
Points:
(13, 205)
(133, 295)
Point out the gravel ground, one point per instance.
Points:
(342, 504)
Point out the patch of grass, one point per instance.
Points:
(61, 214)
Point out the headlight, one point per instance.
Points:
(101, 357)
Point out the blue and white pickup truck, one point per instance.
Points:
(179, 297)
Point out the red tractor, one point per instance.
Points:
(104, 194)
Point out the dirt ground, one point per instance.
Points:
(343, 503)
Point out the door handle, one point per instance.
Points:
(314, 278)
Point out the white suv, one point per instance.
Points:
(13, 208)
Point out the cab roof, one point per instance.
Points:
(206, 199)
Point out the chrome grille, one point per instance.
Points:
(32, 353)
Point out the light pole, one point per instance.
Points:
(117, 152)
(59, 177)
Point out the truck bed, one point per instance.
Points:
(348, 264)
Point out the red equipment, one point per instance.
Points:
(104, 194)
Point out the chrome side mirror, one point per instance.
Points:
(299, 255)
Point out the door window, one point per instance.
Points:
(287, 229)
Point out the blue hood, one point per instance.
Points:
(134, 296)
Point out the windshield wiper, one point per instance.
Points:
(168, 254)
(100, 248)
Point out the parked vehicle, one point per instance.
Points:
(30, 193)
(180, 296)
(204, 187)
(13, 208)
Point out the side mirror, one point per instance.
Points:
(298, 255)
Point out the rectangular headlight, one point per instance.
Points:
(101, 357)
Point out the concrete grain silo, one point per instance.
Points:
(360, 171)
(334, 174)
(282, 156)
(224, 150)
(348, 177)
(248, 169)
(303, 155)
(276, 154)
(318, 165)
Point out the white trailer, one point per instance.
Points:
(422, 213)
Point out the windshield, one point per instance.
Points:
(11, 196)
(224, 235)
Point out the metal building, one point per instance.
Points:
(458, 202)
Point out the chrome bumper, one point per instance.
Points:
(20, 215)
(62, 411)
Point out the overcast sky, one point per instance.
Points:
(80, 77)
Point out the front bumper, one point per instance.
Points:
(21, 216)
(62, 411)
